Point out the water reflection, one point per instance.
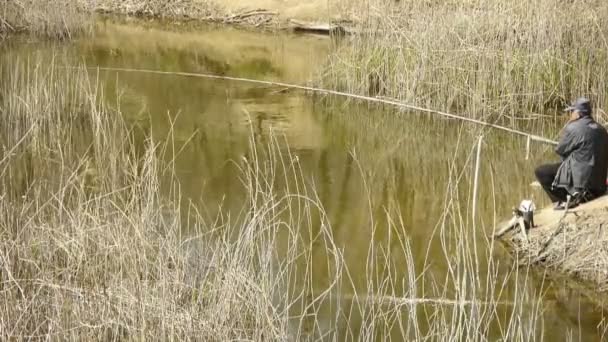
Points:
(368, 165)
(364, 161)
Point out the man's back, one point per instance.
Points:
(599, 142)
(584, 149)
(582, 172)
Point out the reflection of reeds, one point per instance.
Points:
(91, 249)
(477, 58)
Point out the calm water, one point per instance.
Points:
(363, 161)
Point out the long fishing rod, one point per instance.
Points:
(530, 137)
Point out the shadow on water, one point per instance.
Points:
(364, 161)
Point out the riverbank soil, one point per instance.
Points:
(574, 243)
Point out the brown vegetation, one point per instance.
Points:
(91, 247)
(63, 18)
(49, 18)
(477, 58)
(95, 243)
(195, 9)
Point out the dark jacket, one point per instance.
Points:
(584, 151)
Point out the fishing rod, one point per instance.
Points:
(530, 137)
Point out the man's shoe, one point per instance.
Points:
(559, 206)
(562, 206)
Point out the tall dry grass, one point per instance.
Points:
(65, 18)
(476, 58)
(95, 243)
(49, 18)
(90, 247)
(192, 9)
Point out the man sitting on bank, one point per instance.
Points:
(583, 147)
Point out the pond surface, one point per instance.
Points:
(364, 161)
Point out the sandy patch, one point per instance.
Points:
(312, 10)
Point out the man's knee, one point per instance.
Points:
(540, 172)
(545, 174)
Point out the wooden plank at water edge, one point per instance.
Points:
(319, 28)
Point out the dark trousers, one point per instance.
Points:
(546, 174)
